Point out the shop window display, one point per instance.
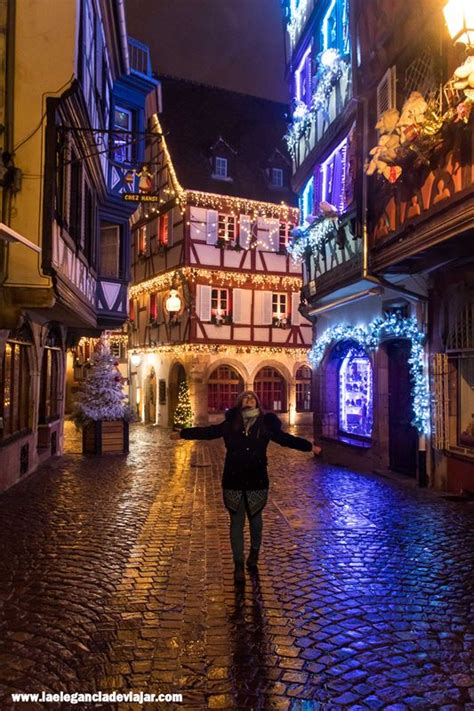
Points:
(355, 394)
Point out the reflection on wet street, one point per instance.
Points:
(116, 573)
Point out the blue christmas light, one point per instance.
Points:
(370, 337)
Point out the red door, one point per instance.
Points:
(403, 437)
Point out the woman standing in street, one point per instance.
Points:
(246, 431)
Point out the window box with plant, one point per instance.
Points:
(281, 322)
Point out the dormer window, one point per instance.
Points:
(220, 167)
(277, 177)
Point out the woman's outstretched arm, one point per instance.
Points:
(284, 439)
(211, 432)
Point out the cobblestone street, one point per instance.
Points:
(116, 573)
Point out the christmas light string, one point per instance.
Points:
(210, 348)
(216, 277)
(311, 238)
(370, 337)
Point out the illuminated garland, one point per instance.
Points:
(297, 19)
(217, 277)
(331, 68)
(311, 238)
(370, 337)
(238, 206)
(185, 348)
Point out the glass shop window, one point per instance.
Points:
(465, 400)
(356, 394)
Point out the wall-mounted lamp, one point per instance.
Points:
(459, 16)
(173, 303)
(136, 359)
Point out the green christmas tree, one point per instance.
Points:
(183, 415)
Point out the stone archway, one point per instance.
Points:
(176, 377)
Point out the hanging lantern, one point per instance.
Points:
(459, 16)
(173, 302)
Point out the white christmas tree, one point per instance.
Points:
(101, 395)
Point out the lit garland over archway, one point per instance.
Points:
(370, 337)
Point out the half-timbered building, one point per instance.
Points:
(215, 297)
(381, 140)
(74, 117)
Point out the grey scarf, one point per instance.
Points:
(249, 416)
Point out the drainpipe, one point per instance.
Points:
(123, 34)
(8, 128)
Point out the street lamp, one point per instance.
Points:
(136, 359)
(459, 16)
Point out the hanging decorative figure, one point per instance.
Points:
(145, 183)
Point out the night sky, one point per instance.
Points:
(234, 44)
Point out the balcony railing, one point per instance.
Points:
(330, 251)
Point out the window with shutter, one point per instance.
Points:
(245, 231)
(295, 314)
(212, 221)
(204, 302)
(268, 234)
(386, 92)
(110, 251)
(241, 306)
(164, 229)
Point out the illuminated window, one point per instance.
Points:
(141, 240)
(279, 306)
(224, 385)
(303, 78)
(277, 177)
(122, 145)
(220, 167)
(270, 387)
(15, 397)
(332, 182)
(50, 390)
(303, 389)
(335, 27)
(164, 236)
(307, 200)
(219, 302)
(356, 394)
(284, 235)
(227, 227)
(153, 307)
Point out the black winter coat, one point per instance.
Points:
(245, 465)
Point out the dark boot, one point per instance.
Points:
(239, 573)
(252, 560)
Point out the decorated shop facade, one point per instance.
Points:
(381, 140)
(215, 297)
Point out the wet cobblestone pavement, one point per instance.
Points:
(116, 574)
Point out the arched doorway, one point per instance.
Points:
(177, 376)
(150, 397)
(403, 437)
(223, 386)
(271, 389)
